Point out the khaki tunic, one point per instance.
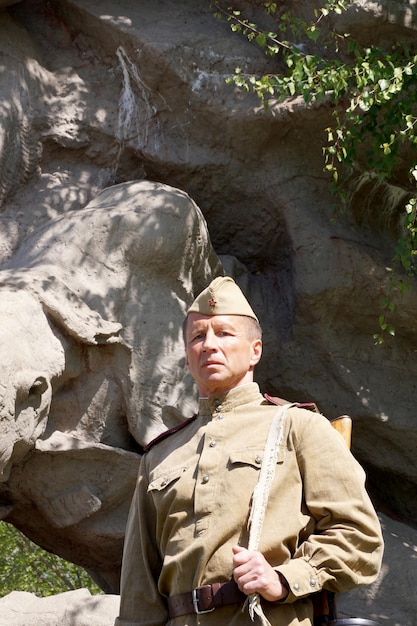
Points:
(192, 501)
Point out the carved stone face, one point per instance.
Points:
(30, 355)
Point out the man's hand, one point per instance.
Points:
(253, 574)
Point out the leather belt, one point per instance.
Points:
(205, 599)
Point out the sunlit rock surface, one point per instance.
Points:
(96, 94)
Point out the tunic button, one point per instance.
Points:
(219, 408)
(296, 587)
(220, 417)
(164, 483)
(258, 460)
(313, 582)
(212, 444)
(205, 480)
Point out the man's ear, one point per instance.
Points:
(256, 352)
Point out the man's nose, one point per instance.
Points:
(209, 342)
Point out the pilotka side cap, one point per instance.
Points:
(222, 297)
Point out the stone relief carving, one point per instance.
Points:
(92, 367)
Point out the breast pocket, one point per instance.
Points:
(162, 478)
(251, 457)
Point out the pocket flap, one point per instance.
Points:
(162, 477)
(247, 456)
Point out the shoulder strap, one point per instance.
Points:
(343, 423)
(312, 406)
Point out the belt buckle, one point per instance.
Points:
(196, 603)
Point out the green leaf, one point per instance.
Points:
(261, 40)
(383, 84)
(313, 32)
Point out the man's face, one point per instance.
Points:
(220, 353)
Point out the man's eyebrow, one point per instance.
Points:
(224, 326)
(196, 329)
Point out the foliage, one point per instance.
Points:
(374, 97)
(24, 566)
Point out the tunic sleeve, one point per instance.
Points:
(140, 601)
(344, 548)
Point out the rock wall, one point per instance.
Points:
(99, 93)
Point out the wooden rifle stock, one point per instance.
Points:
(343, 425)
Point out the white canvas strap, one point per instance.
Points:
(261, 495)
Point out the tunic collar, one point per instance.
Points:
(230, 400)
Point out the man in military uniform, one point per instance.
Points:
(186, 560)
